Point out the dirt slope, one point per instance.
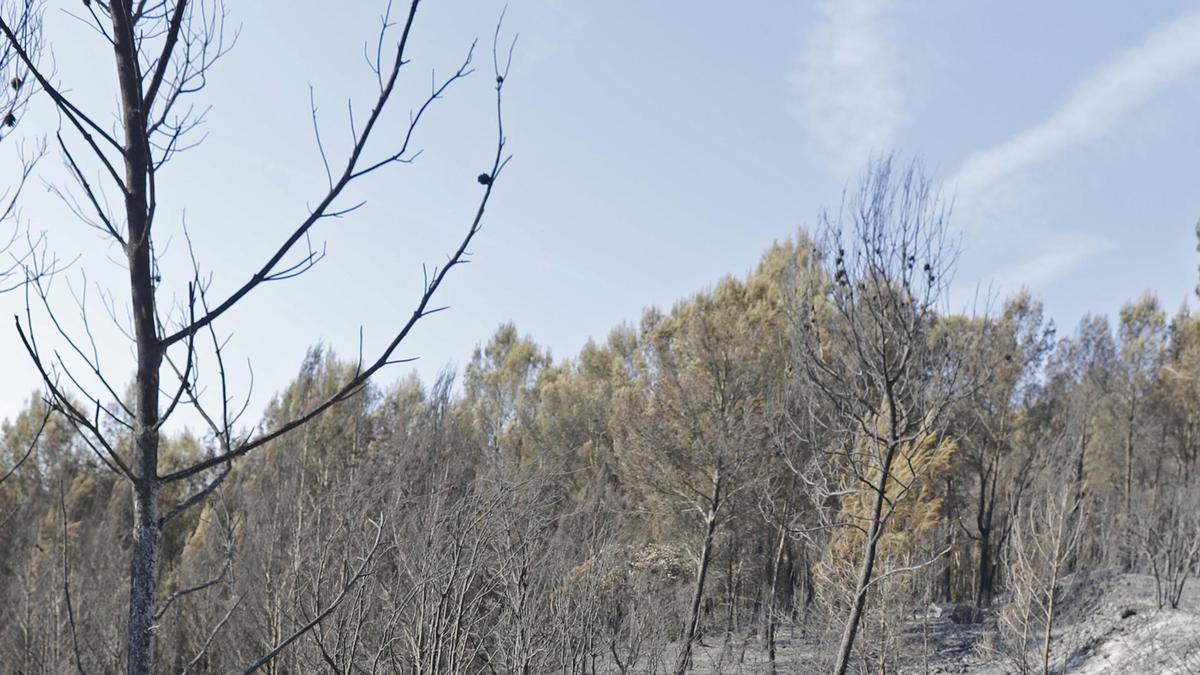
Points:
(1095, 639)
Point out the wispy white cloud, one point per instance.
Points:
(1052, 258)
(1127, 81)
(1056, 258)
(845, 83)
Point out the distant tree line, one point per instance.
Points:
(811, 451)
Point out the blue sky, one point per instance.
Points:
(658, 146)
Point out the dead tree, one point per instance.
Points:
(1043, 542)
(1167, 529)
(696, 426)
(17, 88)
(1015, 346)
(163, 52)
(865, 340)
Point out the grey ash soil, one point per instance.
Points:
(1096, 639)
(1108, 624)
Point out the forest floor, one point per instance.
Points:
(1094, 637)
(1108, 624)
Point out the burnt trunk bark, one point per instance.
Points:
(1127, 558)
(866, 565)
(143, 584)
(774, 594)
(985, 523)
(710, 527)
(983, 587)
(143, 577)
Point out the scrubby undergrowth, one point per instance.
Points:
(1109, 624)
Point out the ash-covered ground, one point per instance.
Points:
(1107, 623)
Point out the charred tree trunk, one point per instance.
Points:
(731, 590)
(774, 594)
(710, 527)
(983, 587)
(867, 564)
(1127, 558)
(1052, 601)
(143, 579)
(985, 523)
